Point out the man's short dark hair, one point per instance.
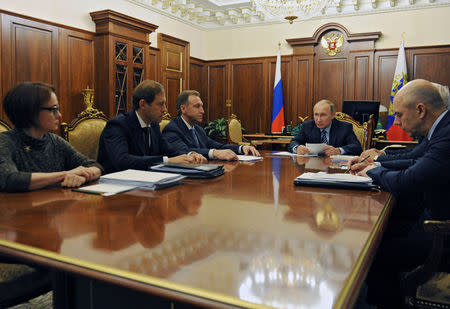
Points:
(146, 90)
(22, 104)
(183, 98)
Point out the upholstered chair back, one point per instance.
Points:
(4, 126)
(165, 121)
(363, 131)
(83, 133)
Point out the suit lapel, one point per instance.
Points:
(332, 137)
(186, 133)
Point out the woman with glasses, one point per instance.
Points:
(30, 156)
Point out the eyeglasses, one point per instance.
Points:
(53, 109)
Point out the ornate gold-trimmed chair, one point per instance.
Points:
(4, 126)
(364, 132)
(428, 286)
(165, 121)
(83, 133)
(235, 133)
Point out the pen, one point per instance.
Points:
(88, 192)
(364, 159)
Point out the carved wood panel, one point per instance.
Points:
(76, 64)
(29, 52)
(174, 67)
(198, 80)
(217, 90)
(330, 81)
(432, 64)
(248, 95)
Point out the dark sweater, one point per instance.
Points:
(21, 155)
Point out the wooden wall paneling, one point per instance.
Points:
(175, 55)
(198, 80)
(384, 69)
(248, 93)
(154, 65)
(217, 89)
(430, 63)
(302, 93)
(76, 62)
(330, 80)
(360, 81)
(29, 52)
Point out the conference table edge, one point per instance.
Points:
(143, 283)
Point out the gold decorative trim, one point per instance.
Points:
(133, 276)
(340, 302)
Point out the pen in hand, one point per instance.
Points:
(364, 159)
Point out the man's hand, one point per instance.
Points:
(250, 150)
(364, 171)
(357, 167)
(330, 150)
(184, 158)
(198, 158)
(225, 154)
(372, 153)
(302, 160)
(301, 150)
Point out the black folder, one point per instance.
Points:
(191, 170)
(337, 185)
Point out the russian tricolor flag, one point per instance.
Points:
(277, 109)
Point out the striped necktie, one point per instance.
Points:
(194, 136)
(323, 136)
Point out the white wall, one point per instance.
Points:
(75, 13)
(422, 27)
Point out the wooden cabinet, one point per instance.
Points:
(121, 59)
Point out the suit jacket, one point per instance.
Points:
(429, 173)
(341, 135)
(408, 153)
(180, 138)
(122, 147)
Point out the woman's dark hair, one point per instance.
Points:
(23, 102)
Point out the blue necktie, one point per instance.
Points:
(194, 136)
(323, 136)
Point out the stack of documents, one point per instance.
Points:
(191, 170)
(339, 180)
(142, 179)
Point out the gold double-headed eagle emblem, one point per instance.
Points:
(332, 43)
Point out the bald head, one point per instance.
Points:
(421, 91)
(417, 106)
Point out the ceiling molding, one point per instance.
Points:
(220, 14)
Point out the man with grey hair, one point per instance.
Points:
(338, 135)
(420, 111)
(185, 135)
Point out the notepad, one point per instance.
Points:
(249, 158)
(105, 189)
(337, 181)
(315, 149)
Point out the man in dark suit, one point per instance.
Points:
(420, 111)
(133, 140)
(184, 134)
(338, 135)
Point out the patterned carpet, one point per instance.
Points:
(44, 301)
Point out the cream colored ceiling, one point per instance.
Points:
(216, 14)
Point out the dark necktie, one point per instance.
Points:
(323, 136)
(194, 136)
(147, 140)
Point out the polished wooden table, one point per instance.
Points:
(247, 239)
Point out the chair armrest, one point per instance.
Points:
(437, 227)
